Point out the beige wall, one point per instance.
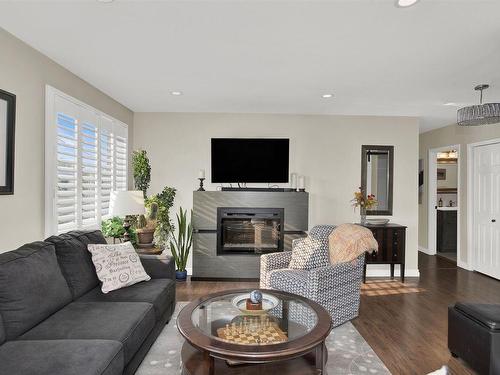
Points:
(25, 72)
(326, 149)
(451, 135)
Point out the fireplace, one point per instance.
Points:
(243, 230)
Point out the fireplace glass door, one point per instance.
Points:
(249, 230)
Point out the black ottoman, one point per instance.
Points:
(474, 336)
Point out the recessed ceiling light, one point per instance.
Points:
(405, 3)
(176, 93)
(326, 96)
(451, 104)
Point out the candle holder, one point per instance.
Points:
(201, 184)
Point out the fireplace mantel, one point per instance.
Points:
(207, 264)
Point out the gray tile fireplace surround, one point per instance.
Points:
(207, 264)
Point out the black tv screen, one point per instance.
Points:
(250, 160)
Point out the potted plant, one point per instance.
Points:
(180, 245)
(364, 202)
(113, 228)
(146, 226)
(164, 226)
(142, 170)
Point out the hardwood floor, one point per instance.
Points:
(406, 324)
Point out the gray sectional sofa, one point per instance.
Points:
(54, 319)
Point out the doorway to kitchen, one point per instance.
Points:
(444, 207)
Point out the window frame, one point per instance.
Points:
(53, 99)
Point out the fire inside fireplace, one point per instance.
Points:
(249, 230)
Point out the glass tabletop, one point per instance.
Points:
(281, 318)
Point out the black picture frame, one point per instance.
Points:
(365, 152)
(7, 188)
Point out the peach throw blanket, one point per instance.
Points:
(348, 241)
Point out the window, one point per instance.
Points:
(85, 160)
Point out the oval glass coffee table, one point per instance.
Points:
(222, 339)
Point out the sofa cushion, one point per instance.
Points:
(159, 292)
(88, 237)
(32, 287)
(129, 323)
(75, 262)
(61, 357)
(2, 331)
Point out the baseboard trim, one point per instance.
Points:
(372, 270)
(464, 265)
(377, 270)
(195, 278)
(425, 250)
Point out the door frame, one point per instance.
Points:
(472, 252)
(432, 201)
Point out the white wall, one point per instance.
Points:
(326, 149)
(25, 72)
(451, 180)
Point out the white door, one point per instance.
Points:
(487, 209)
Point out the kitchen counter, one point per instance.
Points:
(454, 208)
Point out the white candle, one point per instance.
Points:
(201, 173)
(302, 182)
(293, 180)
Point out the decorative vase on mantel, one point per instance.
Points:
(362, 212)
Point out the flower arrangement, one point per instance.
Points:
(364, 202)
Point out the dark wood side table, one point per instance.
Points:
(391, 240)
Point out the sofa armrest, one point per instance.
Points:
(158, 266)
(273, 261)
(352, 269)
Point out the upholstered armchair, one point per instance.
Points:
(336, 287)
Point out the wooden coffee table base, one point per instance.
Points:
(196, 362)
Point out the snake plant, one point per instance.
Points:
(181, 245)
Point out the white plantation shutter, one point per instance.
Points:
(106, 151)
(88, 174)
(85, 160)
(66, 171)
(120, 163)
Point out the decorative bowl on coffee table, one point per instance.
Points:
(268, 302)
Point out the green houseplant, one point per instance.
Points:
(142, 170)
(181, 245)
(164, 225)
(113, 228)
(146, 226)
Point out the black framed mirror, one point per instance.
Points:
(7, 128)
(377, 171)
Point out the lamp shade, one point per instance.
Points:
(125, 203)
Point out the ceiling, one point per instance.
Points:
(273, 56)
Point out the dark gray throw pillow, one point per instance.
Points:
(32, 287)
(75, 262)
(88, 236)
(307, 254)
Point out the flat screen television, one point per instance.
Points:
(250, 160)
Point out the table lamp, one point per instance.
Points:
(125, 204)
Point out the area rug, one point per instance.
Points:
(348, 352)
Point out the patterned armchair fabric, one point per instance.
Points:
(335, 287)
